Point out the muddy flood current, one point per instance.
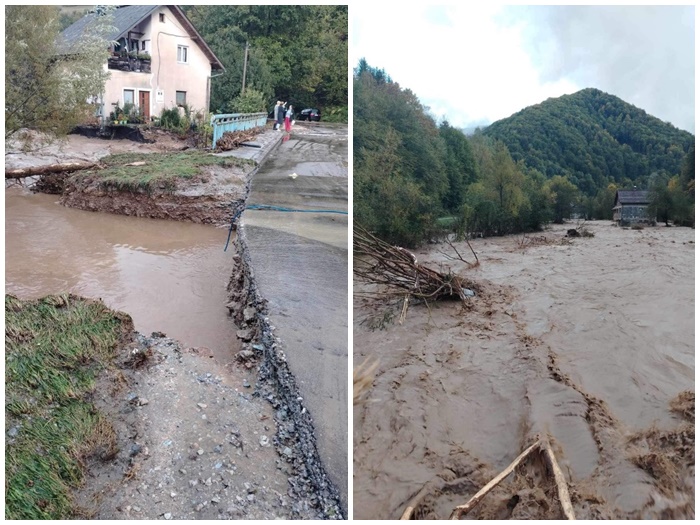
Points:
(168, 276)
(589, 341)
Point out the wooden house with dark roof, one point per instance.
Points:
(631, 206)
(158, 59)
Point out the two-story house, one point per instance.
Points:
(158, 59)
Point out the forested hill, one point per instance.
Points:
(594, 138)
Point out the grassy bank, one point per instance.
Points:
(148, 171)
(55, 348)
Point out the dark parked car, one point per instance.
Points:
(310, 114)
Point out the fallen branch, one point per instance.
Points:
(461, 510)
(66, 167)
(559, 479)
(459, 255)
(381, 263)
(415, 501)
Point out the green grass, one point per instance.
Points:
(446, 222)
(159, 171)
(55, 348)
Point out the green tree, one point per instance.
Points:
(252, 101)
(604, 201)
(297, 53)
(661, 199)
(565, 197)
(47, 85)
(460, 166)
(687, 178)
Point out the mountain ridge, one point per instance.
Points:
(593, 137)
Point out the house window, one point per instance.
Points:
(181, 98)
(182, 54)
(161, 17)
(128, 96)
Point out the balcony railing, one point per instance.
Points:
(139, 65)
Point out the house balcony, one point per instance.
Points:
(126, 63)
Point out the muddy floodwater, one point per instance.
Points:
(589, 341)
(169, 276)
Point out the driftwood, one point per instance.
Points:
(379, 262)
(232, 139)
(541, 444)
(415, 500)
(461, 510)
(559, 479)
(66, 167)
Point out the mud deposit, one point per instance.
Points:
(590, 341)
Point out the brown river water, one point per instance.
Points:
(588, 342)
(170, 277)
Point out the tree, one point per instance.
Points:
(297, 53)
(460, 165)
(661, 199)
(252, 101)
(604, 201)
(688, 173)
(48, 87)
(565, 195)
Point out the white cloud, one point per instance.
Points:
(472, 62)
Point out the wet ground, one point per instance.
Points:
(589, 341)
(300, 265)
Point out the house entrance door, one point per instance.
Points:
(145, 105)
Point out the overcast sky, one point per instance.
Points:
(477, 63)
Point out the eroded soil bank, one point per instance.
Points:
(207, 198)
(590, 341)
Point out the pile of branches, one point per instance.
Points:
(232, 139)
(381, 263)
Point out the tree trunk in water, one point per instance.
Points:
(19, 173)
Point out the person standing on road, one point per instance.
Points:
(277, 115)
(280, 116)
(288, 119)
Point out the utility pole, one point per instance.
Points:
(245, 66)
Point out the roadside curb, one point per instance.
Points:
(277, 384)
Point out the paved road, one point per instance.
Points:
(300, 262)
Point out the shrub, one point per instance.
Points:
(252, 101)
(170, 118)
(335, 114)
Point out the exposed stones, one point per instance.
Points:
(249, 314)
(245, 335)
